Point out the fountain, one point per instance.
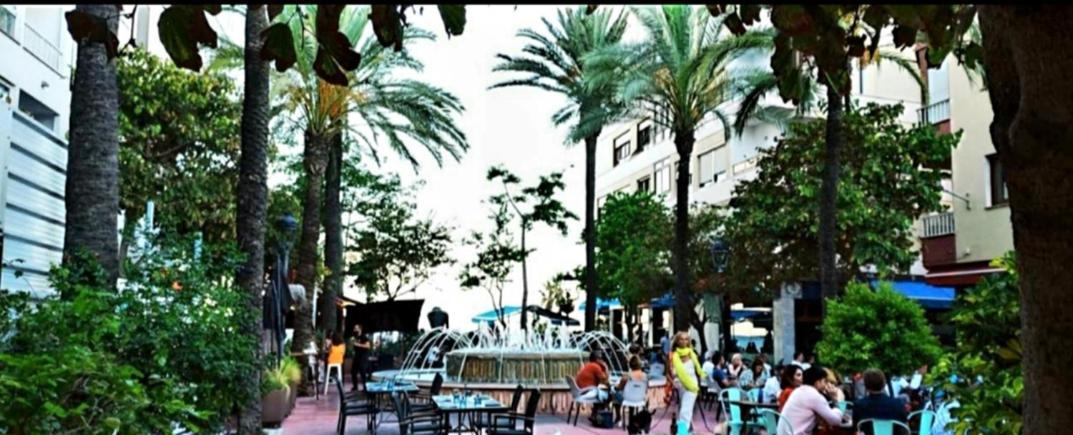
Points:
(494, 361)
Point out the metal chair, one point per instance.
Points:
(349, 407)
(774, 423)
(511, 419)
(411, 423)
(882, 427)
(927, 420)
(515, 400)
(424, 400)
(575, 394)
(735, 421)
(634, 396)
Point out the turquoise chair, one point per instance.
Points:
(735, 422)
(772, 421)
(754, 395)
(883, 427)
(927, 420)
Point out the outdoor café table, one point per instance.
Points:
(471, 405)
(750, 411)
(384, 388)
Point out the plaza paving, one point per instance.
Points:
(318, 417)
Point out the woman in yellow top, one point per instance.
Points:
(337, 351)
(686, 373)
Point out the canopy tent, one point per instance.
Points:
(927, 295)
(491, 316)
(603, 304)
(401, 316)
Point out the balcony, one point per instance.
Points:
(43, 49)
(941, 224)
(934, 113)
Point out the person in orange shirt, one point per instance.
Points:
(589, 379)
(337, 351)
(791, 377)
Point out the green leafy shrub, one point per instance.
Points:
(164, 350)
(987, 357)
(878, 328)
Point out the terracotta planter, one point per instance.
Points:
(275, 406)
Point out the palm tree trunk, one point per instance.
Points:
(591, 284)
(525, 282)
(829, 195)
(1031, 96)
(92, 189)
(683, 306)
(333, 235)
(315, 160)
(252, 200)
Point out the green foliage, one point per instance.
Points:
(828, 36)
(397, 251)
(555, 295)
(887, 180)
(179, 146)
(496, 257)
(554, 62)
(877, 328)
(163, 350)
(986, 360)
(633, 239)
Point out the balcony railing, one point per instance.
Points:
(934, 113)
(42, 48)
(938, 225)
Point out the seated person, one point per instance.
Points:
(772, 387)
(591, 376)
(635, 374)
(808, 404)
(876, 404)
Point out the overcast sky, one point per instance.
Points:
(505, 126)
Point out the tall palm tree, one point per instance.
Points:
(682, 66)
(754, 85)
(554, 63)
(252, 197)
(376, 110)
(92, 186)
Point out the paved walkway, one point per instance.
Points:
(318, 417)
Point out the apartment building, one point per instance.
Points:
(958, 244)
(35, 100)
(640, 155)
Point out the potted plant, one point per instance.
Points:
(291, 371)
(275, 396)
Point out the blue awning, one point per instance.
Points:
(490, 316)
(665, 301)
(603, 304)
(746, 313)
(927, 295)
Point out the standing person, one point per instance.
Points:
(877, 404)
(361, 346)
(799, 360)
(665, 343)
(791, 377)
(686, 376)
(808, 405)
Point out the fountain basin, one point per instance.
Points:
(479, 366)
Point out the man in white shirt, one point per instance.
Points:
(799, 360)
(808, 403)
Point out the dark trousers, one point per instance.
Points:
(357, 368)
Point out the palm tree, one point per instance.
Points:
(554, 63)
(252, 196)
(682, 68)
(92, 186)
(398, 113)
(754, 85)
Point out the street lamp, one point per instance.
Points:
(286, 225)
(720, 254)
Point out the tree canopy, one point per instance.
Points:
(633, 241)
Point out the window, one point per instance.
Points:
(662, 174)
(7, 20)
(711, 166)
(622, 148)
(644, 184)
(644, 138)
(997, 180)
(37, 110)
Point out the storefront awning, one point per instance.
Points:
(927, 295)
(603, 304)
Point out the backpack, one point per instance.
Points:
(604, 419)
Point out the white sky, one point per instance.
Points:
(504, 126)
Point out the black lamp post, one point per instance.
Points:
(279, 288)
(720, 257)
